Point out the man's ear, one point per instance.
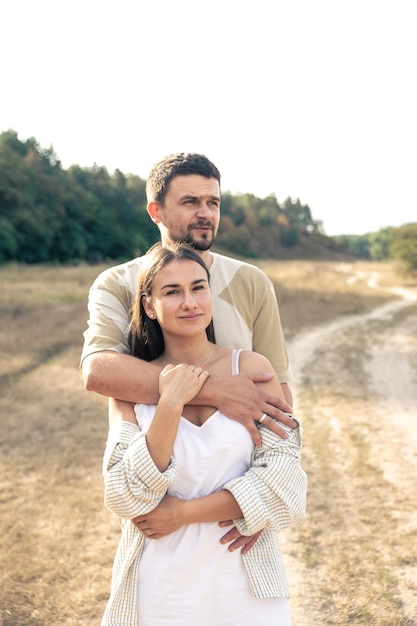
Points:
(153, 211)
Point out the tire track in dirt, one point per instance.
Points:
(389, 339)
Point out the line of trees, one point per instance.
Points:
(386, 244)
(48, 213)
(52, 214)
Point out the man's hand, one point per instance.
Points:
(237, 540)
(241, 399)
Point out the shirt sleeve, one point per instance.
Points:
(133, 485)
(272, 493)
(109, 302)
(268, 335)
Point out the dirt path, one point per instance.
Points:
(357, 379)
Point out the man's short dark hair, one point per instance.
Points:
(179, 164)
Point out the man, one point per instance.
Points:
(183, 192)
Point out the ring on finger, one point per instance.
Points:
(261, 419)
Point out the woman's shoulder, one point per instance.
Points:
(255, 362)
(249, 361)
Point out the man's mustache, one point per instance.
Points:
(201, 224)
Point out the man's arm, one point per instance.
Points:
(268, 335)
(121, 376)
(239, 397)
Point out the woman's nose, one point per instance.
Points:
(189, 300)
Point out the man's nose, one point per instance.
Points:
(204, 210)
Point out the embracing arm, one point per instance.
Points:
(117, 375)
(270, 495)
(240, 397)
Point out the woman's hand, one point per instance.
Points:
(181, 383)
(178, 384)
(166, 518)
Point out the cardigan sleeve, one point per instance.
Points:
(133, 485)
(272, 492)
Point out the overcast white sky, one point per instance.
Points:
(313, 99)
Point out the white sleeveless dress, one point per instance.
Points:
(189, 578)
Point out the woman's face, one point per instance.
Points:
(180, 298)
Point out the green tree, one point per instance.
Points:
(403, 246)
(357, 244)
(379, 244)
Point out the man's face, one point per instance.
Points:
(191, 211)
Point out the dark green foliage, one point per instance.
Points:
(255, 227)
(385, 244)
(379, 244)
(51, 214)
(359, 245)
(403, 246)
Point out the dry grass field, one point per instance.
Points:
(347, 561)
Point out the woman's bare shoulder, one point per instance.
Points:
(255, 362)
(250, 361)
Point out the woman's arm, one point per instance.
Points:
(172, 513)
(121, 410)
(133, 485)
(139, 467)
(271, 494)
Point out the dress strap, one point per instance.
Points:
(235, 361)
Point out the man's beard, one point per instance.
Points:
(201, 244)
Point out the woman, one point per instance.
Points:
(173, 471)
